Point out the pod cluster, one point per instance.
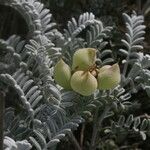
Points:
(84, 77)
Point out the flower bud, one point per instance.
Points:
(83, 83)
(108, 77)
(62, 74)
(84, 58)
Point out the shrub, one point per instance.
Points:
(39, 112)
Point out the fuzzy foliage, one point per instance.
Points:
(40, 111)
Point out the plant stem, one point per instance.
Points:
(75, 142)
(139, 6)
(94, 134)
(97, 124)
(2, 108)
(82, 135)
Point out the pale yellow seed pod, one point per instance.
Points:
(84, 58)
(83, 83)
(108, 77)
(62, 74)
(104, 68)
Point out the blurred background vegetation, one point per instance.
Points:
(110, 12)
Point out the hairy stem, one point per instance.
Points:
(75, 142)
(95, 127)
(82, 135)
(139, 3)
(2, 107)
(97, 124)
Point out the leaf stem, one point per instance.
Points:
(82, 135)
(75, 142)
(97, 124)
(2, 109)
